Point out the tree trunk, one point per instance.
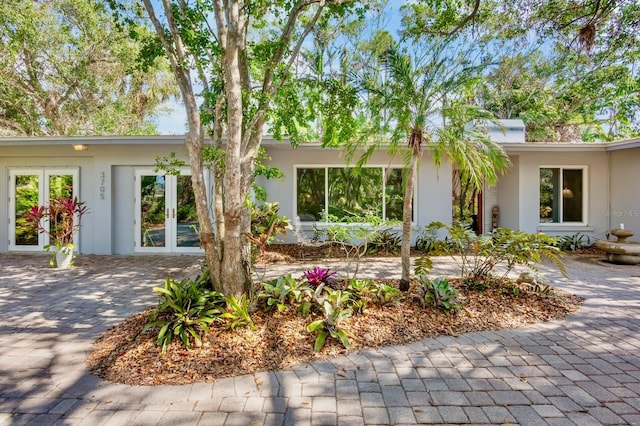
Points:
(195, 143)
(407, 210)
(235, 278)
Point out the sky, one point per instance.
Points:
(174, 121)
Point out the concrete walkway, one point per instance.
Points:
(584, 369)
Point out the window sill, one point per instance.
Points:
(320, 224)
(560, 227)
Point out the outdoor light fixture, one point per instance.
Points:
(567, 193)
(80, 147)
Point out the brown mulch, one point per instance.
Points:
(126, 355)
(287, 253)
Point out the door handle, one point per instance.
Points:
(174, 212)
(167, 216)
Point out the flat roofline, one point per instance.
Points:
(270, 141)
(624, 144)
(553, 146)
(102, 140)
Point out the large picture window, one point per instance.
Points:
(345, 193)
(562, 195)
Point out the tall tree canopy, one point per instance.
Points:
(416, 96)
(576, 73)
(67, 69)
(242, 54)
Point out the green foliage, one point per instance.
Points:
(362, 292)
(237, 312)
(282, 291)
(438, 293)
(423, 265)
(267, 172)
(68, 69)
(430, 244)
(578, 81)
(386, 295)
(185, 311)
(384, 241)
(334, 313)
(479, 255)
(266, 224)
(572, 242)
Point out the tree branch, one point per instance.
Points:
(470, 17)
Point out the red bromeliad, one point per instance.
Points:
(317, 276)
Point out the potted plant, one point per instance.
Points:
(60, 221)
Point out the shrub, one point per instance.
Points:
(429, 243)
(334, 313)
(438, 293)
(479, 255)
(185, 310)
(386, 294)
(282, 291)
(266, 224)
(572, 242)
(362, 293)
(384, 241)
(238, 312)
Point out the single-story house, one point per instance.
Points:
(556, 188)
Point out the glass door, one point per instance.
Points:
(153, 213)
(30, 188)
(187, 227)
(166, 219)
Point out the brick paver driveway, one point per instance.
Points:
(584, 369)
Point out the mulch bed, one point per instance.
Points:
(126, 355)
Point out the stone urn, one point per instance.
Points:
(622, 234)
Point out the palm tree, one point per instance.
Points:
(419, 101)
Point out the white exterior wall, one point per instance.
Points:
(107, 169)
(105, 183)
(625, 195)
(519, 191)
(508, 200)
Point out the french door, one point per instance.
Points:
(30, 188)
(165, 208)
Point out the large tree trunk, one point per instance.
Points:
(236, 279)
(407, 213)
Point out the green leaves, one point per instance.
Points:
(478, 256)
(238, 312)
(438, 293)
(186, 310)
(334, 314)
(283, 291)
(67, 69)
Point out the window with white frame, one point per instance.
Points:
(344, 193)
(562, 195)
(30, 188)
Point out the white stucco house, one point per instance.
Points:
(556, 188)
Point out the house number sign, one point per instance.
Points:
(101, 188)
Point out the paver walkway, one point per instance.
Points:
(584, 369)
